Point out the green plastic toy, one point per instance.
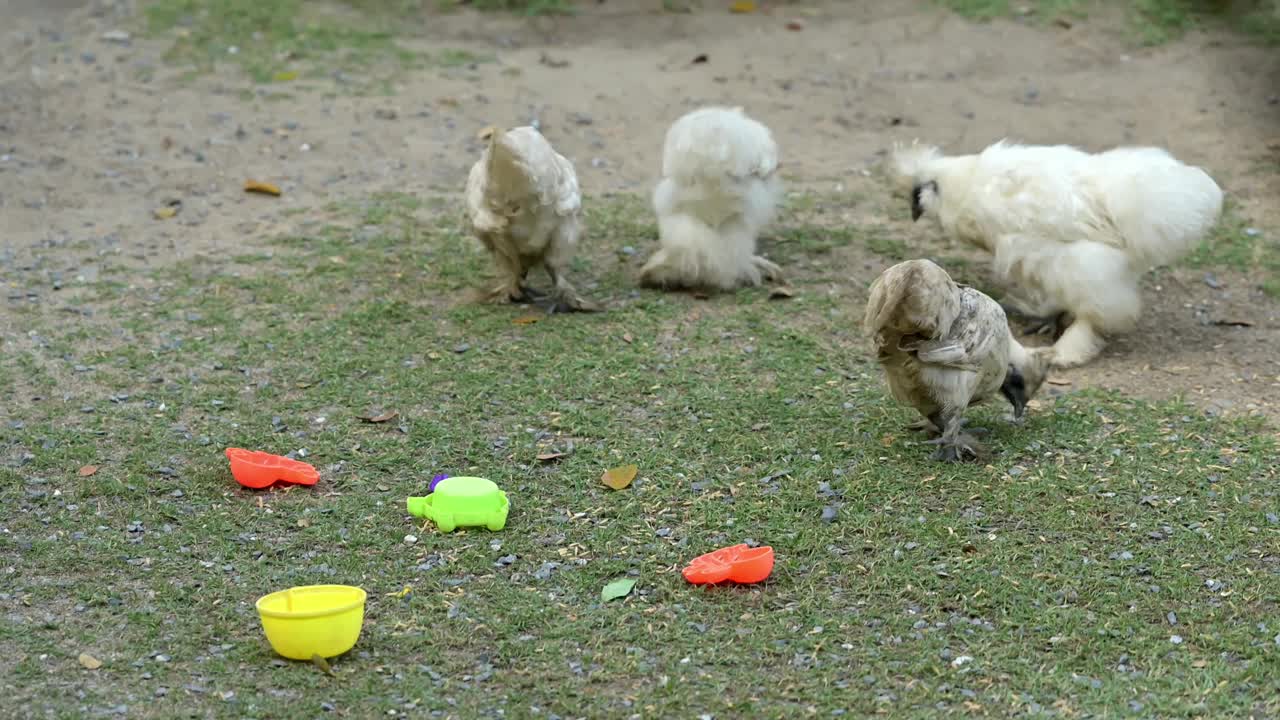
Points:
(463, 502)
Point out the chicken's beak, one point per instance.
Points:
(916, 208)
(1014, 390)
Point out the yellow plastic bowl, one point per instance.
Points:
(322, 620)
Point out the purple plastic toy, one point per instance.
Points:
(436, 481)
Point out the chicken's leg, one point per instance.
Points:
(929, 426)
(564, 297)
(511, 272)
(954, 445)
(769, 270)
(1078, 345)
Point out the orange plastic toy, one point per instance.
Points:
(254, 469)
(737, 563)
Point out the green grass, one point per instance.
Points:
(1153, 22)
(295, 41)
(1237, 245)
(1054, 568)
(527, 7)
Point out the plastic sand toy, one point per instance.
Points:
(323, 620)
(737, 563)
(462, 502)
(257, 470)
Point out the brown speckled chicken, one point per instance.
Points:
(945, 347)
(525, 207)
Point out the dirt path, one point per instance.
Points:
(95, 133)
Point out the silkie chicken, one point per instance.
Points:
(1072, 232)
(525, 208)
(719, 188)
(944, 347)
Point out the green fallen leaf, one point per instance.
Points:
(617, 589)
(322, 664)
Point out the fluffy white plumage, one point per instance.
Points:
(1072, 231)
(944, 347)
(525, 208)
(719, 188)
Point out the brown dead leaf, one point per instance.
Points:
(626, 338)
(1062, 22)
(304, 522)
(88, 470)
(168, 210)
(781, 292)
(620, 477)
(887, 440)
(257, 186)
(89, 662)
(527, 319)
(743, 7)
(548, 457)
(1058, 381)
(701, 296)
(795, 25)
(449, 102)
(384, 417)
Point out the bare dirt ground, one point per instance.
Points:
(95, 133)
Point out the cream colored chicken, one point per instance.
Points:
(525, 208)
(1073, 232)
(719, 188)
(944, 347)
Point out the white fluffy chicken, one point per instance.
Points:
(1073, 232)
(525, 208)
(719, 188)
(944, 347)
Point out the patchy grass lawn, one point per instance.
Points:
(1236, 244)
(1153, 22)
(283, 41)
(1115, 558)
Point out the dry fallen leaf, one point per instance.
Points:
(887, 440)
(626, 338)
(255, 186)
(168, 210)
(286, 76)
(384, 417)
(1058, 381)
(795, 25)
(619, 477)
(527, 319)
(781, 292)
(548, 457)
(743, 6)
(701, 296)
(90, 662)
(88, 470)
